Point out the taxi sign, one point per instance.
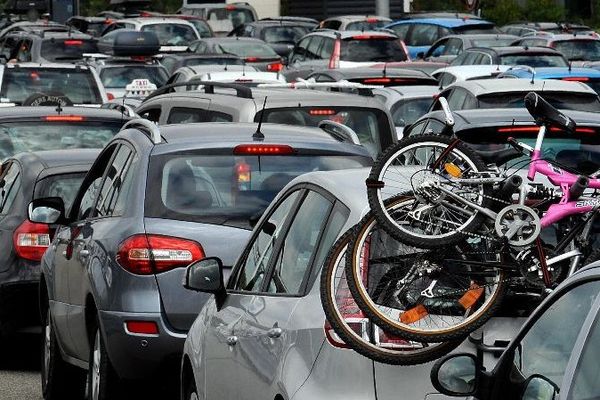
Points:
(139, 88)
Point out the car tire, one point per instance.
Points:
(190, 390)
(102, 380)
(60, 380)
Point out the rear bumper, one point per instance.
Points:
(19, 306)
(137, 356)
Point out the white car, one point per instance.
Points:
(459, 73)
(184, 74)
(252, 78)
(174, 34)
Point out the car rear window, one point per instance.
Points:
(579, 50)
(284, 34)
(366, 25)
(237, 16)
(364, 50)
(63, 186)
(67, 49)
(371, 125)
(534, 60)
(16, 137)
(77, 84)
(244, 49)
(190, 62)
(172, 34)
(560, 100)
(119, 77)
(227, 189)
(476, 29)
(493, 42)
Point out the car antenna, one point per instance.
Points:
(258, 135)
(570, 65)
(385, 69)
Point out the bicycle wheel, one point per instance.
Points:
(357, 331)
(427, 166)
(425, 296)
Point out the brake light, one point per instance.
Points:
(230, 8)
(576, 79)
(377, 80)
(334, 60)
(535, 129)
(140, 58)
(142, 327)
(145, 14)
(73, 42)
(64, 118)
(151, 254)
(31, 240)
(369, 37)
(108, 21)
(321, 112)
(275, 67)
(110, 96)
(34, 75)
(372, 20)
(251, 59)
(262, 149)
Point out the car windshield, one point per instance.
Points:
(227, 189)
(534, 60)
(237, 16)
(77, 84)
(579, 50)
(366, 25)
(245, 48)
(283, 34)
(16, 137)
(119, 77)
(364, 50)
(406, 112)
(63, 186)
(560, 100)
(67, 50)
(491, 42)
(369, 124)
(172, 34)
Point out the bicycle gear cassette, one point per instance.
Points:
(519, 224)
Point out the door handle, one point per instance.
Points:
(274, 332)
(232, 340)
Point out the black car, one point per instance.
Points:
(281, 35)
(172, 62)
(23, 178)
(449, 47)
(515, 55)
(43, 128)
(53, 47)
(254, 52)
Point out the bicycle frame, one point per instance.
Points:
(564, 180)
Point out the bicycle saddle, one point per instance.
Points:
(545, 114)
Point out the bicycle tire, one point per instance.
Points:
(377, 198)
(364, 297)
(331, 283)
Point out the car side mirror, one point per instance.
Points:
(456, 374)
(205, 275)
(48, 210)
(538, 387)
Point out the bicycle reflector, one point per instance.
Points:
(471, 296)
(413, 315)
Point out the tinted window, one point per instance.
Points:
(237, 16)
(68, 49)
(534, 60)
(533, 42)
(586, 382)
(456, 98)
(63, 186)
(327, 48)
(77, 84)
(579, 50)
(116, 184)
(172, 34)
(491, 42)
(560, 100)
(119, 77)
(86, 206)
(292, 263)
(283, 34)
(372, 50)
(190, 62)
(423, 35)
(226, 189)
(182, 115)
(10, 182)
(401, 30)
(16, 137)
(367, 25)
(333, 24)
(446, 79)
(312, 51)
(406, 112)
(453, 48)
(370, 125)
(253, 269)
(245, 48)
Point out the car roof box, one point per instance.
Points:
(129, 43)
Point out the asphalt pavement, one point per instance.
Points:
(20, 368)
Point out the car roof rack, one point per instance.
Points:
(148, 127)
(361, 89)
(209, 87)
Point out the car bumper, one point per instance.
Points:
(141, 356)
(19, 306)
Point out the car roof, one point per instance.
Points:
(475, 36)
(556, 37)
(64, 35)
(23, 112)
(350, 34)
(508, 50)
(481, 87)
(445, 22)
(367, 72)
(469, 71)
(88, 19)
(556, 72)
(215, 135)
(45, 65)
(410, 91)
(154, 20)
(214, 40)
(59, 158)
(358, 17)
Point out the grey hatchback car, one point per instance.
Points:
(153, 202)
(267, 327)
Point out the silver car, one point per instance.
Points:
(267, 328)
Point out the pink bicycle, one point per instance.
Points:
(482, 230)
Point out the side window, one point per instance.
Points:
(254, 266)
(333, 24)
(433, 126)
(116, 184)
(483, 59)
(446, 79)
(543, 351)
(299, 53)
(470, 102)
(470, 58)
(312, 52)
(327, 48)
(298, 248)
(416, 128)
(453, 48)
(10, 182)
(151, 114)
(461, 59)
(423, 35)
(201, 48)
(401, 30)
(443, 32)
(456, 98)
(324, 78)
(24, 54)
(439, 48)
(183, 115)
(248, 31)
(336, 222)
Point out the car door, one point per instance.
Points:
(269, 330)
(222, 355)
(10, 186)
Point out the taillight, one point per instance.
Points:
(110, 96)
(151, 254)
(263, 149)
(142, 327)
(576, 79)
(275, 67)
(63, 118)
(31, 240)
(73, 42)
(369, 37)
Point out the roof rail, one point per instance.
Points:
(362, 90)
(149, 128)
(122, 108)
(209, 87)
